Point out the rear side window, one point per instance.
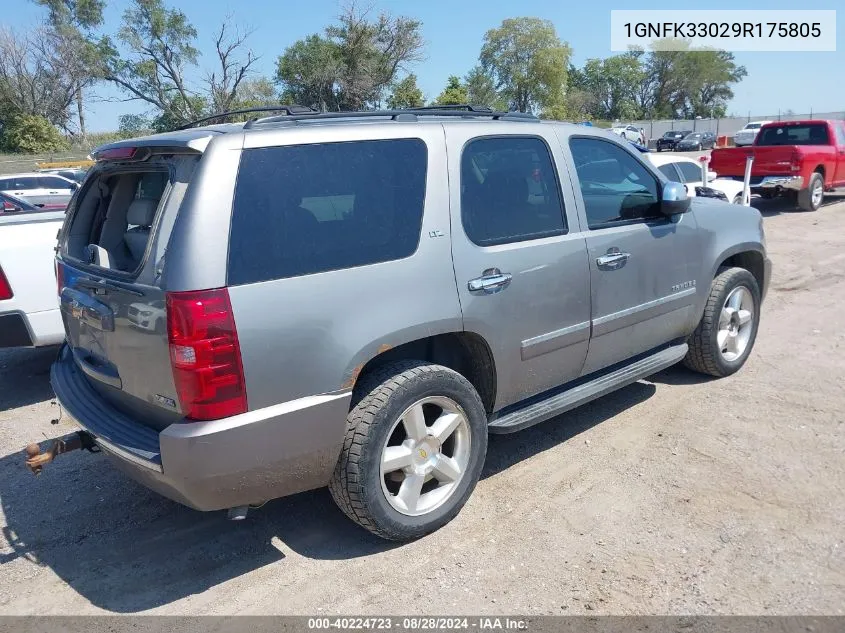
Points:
(509, 191)
(690, 172)
(304, 209)
(669, 171)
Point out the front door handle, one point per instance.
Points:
(491, 281)
(614, 260)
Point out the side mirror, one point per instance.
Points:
(674, 199)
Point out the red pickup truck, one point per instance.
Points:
(800, 159)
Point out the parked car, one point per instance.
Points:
(11, 204)
(798, 159)
(688, 172)
(358, 302)
(75, 174)
(29, 307)
(670, 139)
(629, 132)
(37, 188)
(746, 135)
(696, 141)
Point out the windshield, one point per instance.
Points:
(805, 134)
(752, 126)
(692, 137)
(670, 135)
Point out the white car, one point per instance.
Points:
(38, 188)
(628, 132)
(747, 134)
(688, 172)
(29, 305)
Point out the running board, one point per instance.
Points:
(581, 394)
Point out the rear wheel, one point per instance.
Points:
(414, 449)
(726, 333)
(810, 199)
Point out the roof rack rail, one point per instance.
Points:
(287, 109)
(409, 114)
(481, 109)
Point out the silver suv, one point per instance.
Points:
(357, 299)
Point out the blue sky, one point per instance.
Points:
(454, 31)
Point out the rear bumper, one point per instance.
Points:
(245, 459)
(793, 183)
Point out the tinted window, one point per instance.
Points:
(305, 209)
(616, 187)
(509, 191)
(51, 182)
(670, 172)
(690, 172)
(4, 184)
(810, 134)
(21, 183)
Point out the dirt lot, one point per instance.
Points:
(675, 495)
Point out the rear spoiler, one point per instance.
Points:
(183, 141)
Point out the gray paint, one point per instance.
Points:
(304, 340)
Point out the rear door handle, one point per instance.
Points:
(491, 281)
(613, 260)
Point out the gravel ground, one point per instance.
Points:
(675, 495)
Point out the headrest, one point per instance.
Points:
(142, 212)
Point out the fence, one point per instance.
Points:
(727, 126)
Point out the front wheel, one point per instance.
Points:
(414, 448)
(726, 333)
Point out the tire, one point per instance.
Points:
(372, 497)
(706, 353)
(810, 199)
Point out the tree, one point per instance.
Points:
(481, 90)
(453, 94)
(223, 85)
(130, 125)
(161, 45)
(527, 62)
(71, 24)
(353, 64)
(406, 94)
(708, 76)
(40, 74)
(162, 51)
(30, 133)
(613, 83)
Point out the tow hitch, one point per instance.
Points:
(36, 460)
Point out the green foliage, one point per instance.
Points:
(406, 94)
(613, 84)
(481, 90)
(527, 62)
(453, 94)
(352, 65)
(131, 125)
(86, 14)
(27, 133)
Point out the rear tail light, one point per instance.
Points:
(796, 161)
(60, 277)
(5, 288)
(205, 354)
